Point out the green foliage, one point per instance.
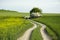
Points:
(34, 10)
(53, 25)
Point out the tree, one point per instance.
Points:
(36, 10)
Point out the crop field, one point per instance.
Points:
(12, 25)
(53, 25)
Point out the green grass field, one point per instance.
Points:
(13, 13)
(12, 25)
(53, 25)
(51, 14)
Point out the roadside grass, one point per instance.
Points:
(11, 28)
(36, 35)
(53, 25)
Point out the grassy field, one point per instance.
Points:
(13, 13)
(53, 25)
(12, 25)
(51, 14)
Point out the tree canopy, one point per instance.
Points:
(36, 10)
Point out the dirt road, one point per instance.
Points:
(27, 34)
(44, 34)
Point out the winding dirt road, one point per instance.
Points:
(27, 34)
(44, 34)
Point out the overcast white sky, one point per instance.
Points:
(27, 5)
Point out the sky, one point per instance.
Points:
(47, 6)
